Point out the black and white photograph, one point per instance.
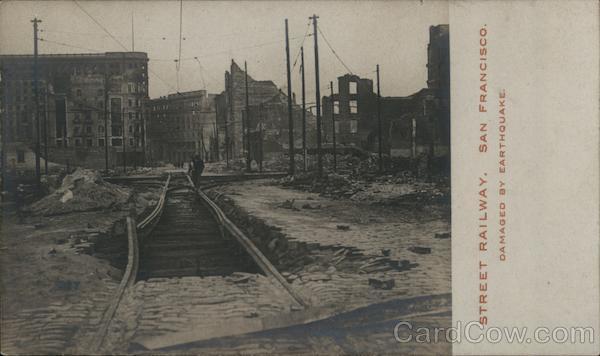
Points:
(225, 177)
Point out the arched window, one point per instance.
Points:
(101, 129)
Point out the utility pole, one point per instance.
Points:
(318, 98)
(303, 109)
(46, 131)
(35, 22)
(333, 130)
(289, 97)
(4, 134)
(230, 99)
(260, 166)
(105, 121)
(124, 140)
(379, 124)
(246, 122)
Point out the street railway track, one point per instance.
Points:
(188, 241)
(188, 235)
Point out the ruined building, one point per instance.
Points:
(83, 98)
(182, 125)
(267, 121)
(412, 126)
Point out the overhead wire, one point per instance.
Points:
(332, 50)
(100, 25)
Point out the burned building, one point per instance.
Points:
(87, 102)
(267, 117)
(181, 125)
(414, 125)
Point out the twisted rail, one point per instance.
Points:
(131, 270)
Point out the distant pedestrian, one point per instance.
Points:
(196, 168)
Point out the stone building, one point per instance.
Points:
(412, 126)
(182, 125)
(268, 115)
(83, 98)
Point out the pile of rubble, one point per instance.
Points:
(83, 190)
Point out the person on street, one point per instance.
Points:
(196, 168)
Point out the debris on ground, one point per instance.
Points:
(420, 250)
(83, 190)
(288, 204)
(444, 235)
(379, 283)
(343, 227)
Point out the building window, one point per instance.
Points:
(353, 87)
(353, 126)
(130, 116)
(78, 92)
(88, 129)
(88, 142)
(130, 87)
(131, 143)
(101, 142)
(100, 92)
(76, 130)
(77, 142)
(116, 142)
(58, 143)
(130, 129)
(130, 102)
(20, 156)
(353, 107)
(337, 127)
(101, 129)
(336, 107)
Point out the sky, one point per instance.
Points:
(393, 34)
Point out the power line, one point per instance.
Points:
(306, 34)
(68, 45)
(100, 25)
(332, 50)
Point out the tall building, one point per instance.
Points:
(268, 114)
(182, 125)
(84, 99)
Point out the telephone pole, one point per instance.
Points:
(46, 131)
(105, 121)
(124, 140)
(289, 97)
(303, 109)
(379, 123)
(246, 122)
(333, 130)
(35, 22)
(318, 98)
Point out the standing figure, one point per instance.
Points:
(196, 168)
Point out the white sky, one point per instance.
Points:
(391, 33)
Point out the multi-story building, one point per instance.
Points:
(411, 126)
(268, 115)
(87, 102)
(182, 125)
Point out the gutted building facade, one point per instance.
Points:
(267, 117)
(412, 126)
(87, 102)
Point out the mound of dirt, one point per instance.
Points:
(83, 190)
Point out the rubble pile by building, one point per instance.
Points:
(83, 190)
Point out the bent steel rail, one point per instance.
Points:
(265, 265)
(133, 258)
